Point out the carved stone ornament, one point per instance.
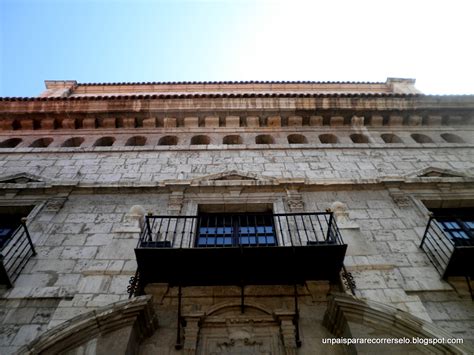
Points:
(294, 200)
(401, 199)
(55, 204)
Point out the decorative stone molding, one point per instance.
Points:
(344, 308)
(229, 329)
(435, 172)
(136, 314)
(400, 198)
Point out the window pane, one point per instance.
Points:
(450, 225)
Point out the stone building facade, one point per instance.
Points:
(338, 180)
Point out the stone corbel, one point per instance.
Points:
(401, 199)
(294, 200)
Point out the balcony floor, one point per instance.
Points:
(235, 266)
(461, 262)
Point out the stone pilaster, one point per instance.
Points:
(288, 333)
(191, 334)
(175, 202)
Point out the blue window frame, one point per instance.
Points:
(227, 230)
(457, 224)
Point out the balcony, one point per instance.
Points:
(449, 244)
(16, 248)
(239, 249)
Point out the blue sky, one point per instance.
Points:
(145, 40)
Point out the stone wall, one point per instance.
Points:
(85, 241)
(134, 166)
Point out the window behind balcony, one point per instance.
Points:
(457, 223)
(235, 229)
(10, 220)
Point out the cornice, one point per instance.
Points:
(233, 102)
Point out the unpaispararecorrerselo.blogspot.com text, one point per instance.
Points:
(404, 340)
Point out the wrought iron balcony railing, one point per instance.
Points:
(239, 230)
(14, 254)
(247, 248)
(449, 244)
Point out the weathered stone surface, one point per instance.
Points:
(85, 232)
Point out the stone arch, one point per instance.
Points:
(223, 328)
(10, 143)
(232, 139)
(264, 139)
(297, 139)
(73, 142)
(104, 142)
(200, 140)
(328, 139)
(222, 307)
(452, 138)
(136, 141)
(359, 138)
(421, 138)
(344, 309)
(41, 143)
(168, 140)
(391, 138)
(116, 329)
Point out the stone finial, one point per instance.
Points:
(136, 216)
(340, 212)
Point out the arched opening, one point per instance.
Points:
(10, 143)
(233, 139)
(73, 142)
(361, 318)
(104, 142)
(391, 138)
(200, 140)
(359, 138)
(99, 329)
(168, 140)
(328, 139)
(264, 139)
(136, 141)
(41, 143)
(421, 138)
(452, 138)
(297, 139)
